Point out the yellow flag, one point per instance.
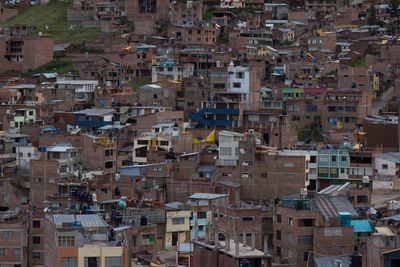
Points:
(339, 125)
(196, 141)
(210, 138)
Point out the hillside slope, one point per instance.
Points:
(51, 20)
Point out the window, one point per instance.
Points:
(142, 142)
(108, 152)
(3, 251)
(201, 215)
(290, 221)
(384, 167)
(362, 199)
(306, 222)
(278, 251)
(113, 261)
(17, 252)
(164, 143)
(7, 235)
(36, 255)
(247, 219)
(225, 151)
(264, 175)
(36, 224)
(91, 262)
(36, 239)
(69, 262)
(288, 164)
(305, 240)
(239, 75)
(344, 158)
(39, 180)
(333, 158)
(237, 85)
(305, 256)
(278, 218)
(108, 164)
(63, 169)
(278, 234)
(311, 108)
(66, 241)
(179, 220)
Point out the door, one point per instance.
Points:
(175, 238)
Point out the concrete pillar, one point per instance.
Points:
(196, 229)
(237, 196)
(265, 244)
(253, 241)
(227, 241)
(244, 238)
(236, 237)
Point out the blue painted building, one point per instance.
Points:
(221, 115)
(94, 117)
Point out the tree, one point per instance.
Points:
(393, 12)
(394, 9)
(372, 15)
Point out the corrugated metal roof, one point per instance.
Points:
(391, 156)
(86, 220)
(330, 261)
(95, 111)
(393, 218)
(206, 168)
(230, 182)
(384, 230)
(207, 196)
(331, 206)
(362, 226)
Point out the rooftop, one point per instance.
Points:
(95, 112)
(391, 156)
(86, 220)
(244, 251)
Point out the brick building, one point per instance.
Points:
(23, 53)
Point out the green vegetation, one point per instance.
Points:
(51, 20)
(359, 62)
(208, 14)
(311, 132)
(222, 39)
(61, 66)
(372, 16)
(140, 81)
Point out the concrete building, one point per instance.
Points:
(324, 225)
(82, 240)
(177, 228)
(228, 253)
(172, 71)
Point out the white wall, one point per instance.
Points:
(245, 81)
(391, 170)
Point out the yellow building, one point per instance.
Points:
(102, 254)
(177, 228)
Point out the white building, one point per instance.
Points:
(171, 71)
(387, 166)
(229, 148)
(83, 90)
(24, 154)
(238, 80)
(387, 163)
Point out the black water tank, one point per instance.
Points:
(117, 217)
(143, 221)
(356, 260)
